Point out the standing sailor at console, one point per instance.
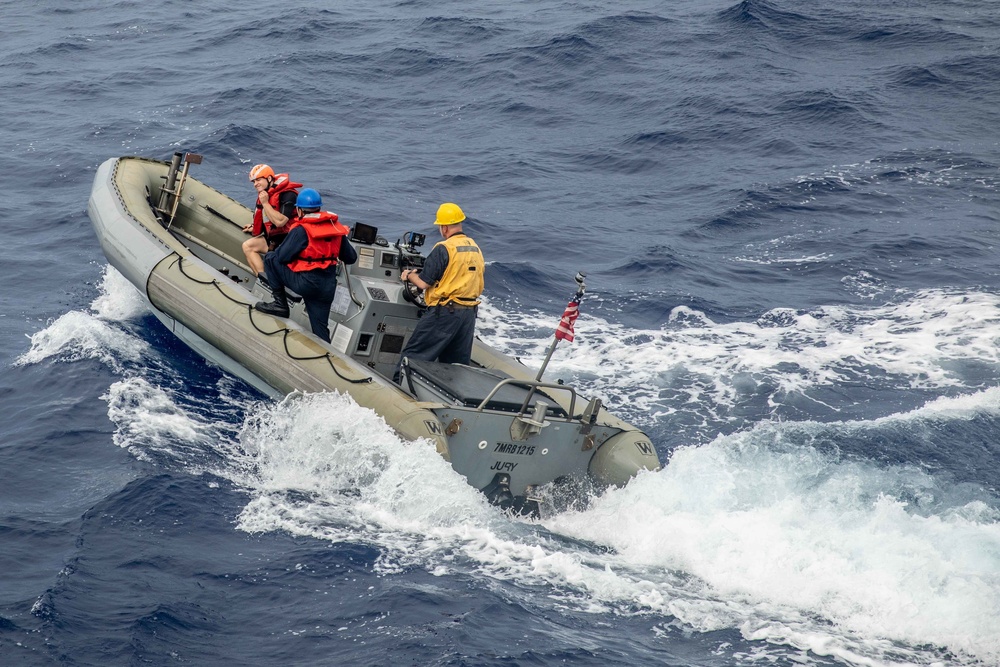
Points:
(306, 261)
(452, 280)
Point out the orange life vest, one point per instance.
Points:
(325, 234)
(279, 185)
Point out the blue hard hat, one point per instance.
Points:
(308, 198)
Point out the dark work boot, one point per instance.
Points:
(278, 307)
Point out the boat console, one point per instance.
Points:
(374, 312)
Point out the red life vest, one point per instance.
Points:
(279, 185)
(325, 234)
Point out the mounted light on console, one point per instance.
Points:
(413, 240)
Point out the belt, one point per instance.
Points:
(453, 306)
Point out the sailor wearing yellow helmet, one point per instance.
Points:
(452, 280)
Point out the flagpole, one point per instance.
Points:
(581, 287)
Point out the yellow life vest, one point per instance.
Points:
(462, 282)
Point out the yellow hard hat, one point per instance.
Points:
(449, 214)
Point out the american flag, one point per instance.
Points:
(565, 329)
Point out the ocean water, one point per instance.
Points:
(788, 214)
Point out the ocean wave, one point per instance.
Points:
(760, 14)
(566, 51)
(306, 25)
(455, 29)
(901, 34)
(873, 26)
(627, 25)
(921, 77)
(824, 106)
(655, 261)
(612, 162)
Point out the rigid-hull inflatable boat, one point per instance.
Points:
(510, 434)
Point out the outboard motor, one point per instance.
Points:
(499, 494)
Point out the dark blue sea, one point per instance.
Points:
(789, 217)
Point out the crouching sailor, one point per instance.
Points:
(306, 262)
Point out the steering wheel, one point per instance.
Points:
(414, 295)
